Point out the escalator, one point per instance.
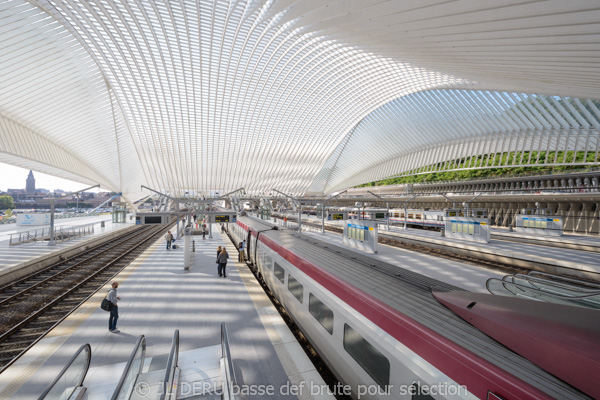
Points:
(158, 379)
(164, 383)
(68, 385)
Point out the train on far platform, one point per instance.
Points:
(387, 333)
(426, 219)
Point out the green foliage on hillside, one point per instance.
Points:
(576, 109)
(488, 171)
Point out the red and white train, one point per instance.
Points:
(386, 336)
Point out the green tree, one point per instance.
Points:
(6, 202)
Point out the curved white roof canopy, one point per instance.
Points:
(442, 130)
(217, 95)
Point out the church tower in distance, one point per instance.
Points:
(30, 185)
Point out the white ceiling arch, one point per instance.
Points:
(190, 95)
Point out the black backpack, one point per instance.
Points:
(106, 305)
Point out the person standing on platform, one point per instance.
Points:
(222, 260)
(219, 249)
(169, 239)
(203, 233)
(114, 311)
(242, 248)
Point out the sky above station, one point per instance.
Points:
(12, 177)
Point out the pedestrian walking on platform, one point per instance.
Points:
(222, 228)
(203, 233)
(219, 249)
(169, 238)
(222, 260)
(114, 311)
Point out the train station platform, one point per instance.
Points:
(19, 257)
(463, 275)
(517, 252)
(574, 242)
(550, 259)
(158, 296)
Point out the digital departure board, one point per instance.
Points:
(222, 218)
(337, 216)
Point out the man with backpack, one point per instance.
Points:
(114, 311)
(169, 239)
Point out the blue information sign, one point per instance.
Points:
(366, 228)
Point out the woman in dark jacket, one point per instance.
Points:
(222, 260)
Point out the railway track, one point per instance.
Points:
(33, 305)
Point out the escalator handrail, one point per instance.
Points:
(533, 289)
(581, 282)
(140, 342)
(502, 282)
(171, 365)
(86, 347)
(565, 284)
(227, 353)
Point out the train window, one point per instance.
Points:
(418, 394)
(295, 288)
(397, 215)
(417, 216)
(410, 215)
(321, 312)
(279, 272)
(367, 356)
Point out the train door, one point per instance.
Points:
(248, 245)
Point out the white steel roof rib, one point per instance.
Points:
(190, 96)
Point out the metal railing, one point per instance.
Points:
(13, 219)
(132, 370)
(228, 378)
(169, 378)
(61, 234)
(70, 379)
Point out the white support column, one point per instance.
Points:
(51, 241)
(187, 248)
